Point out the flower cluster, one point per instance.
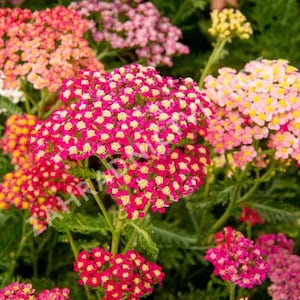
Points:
(121, 275)
(250, 216)
(237, 259)
(145, 126)
(43, 47)
(260, 102)
(136, 26)
(229, 23)
(34, 185)
(25, 291)
(284, 266)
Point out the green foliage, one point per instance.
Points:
(5, 165)
(84, 173)
(8, 107)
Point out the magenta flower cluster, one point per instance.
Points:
(133, 25)
(236, 259)
(121, 275)
(284, 270)
(145, 126)
(24, 291)
(260, 102)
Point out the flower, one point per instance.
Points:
(229, 23)
(250, 216)
(143, 125)
(141, 28)
(237, 259)
(123, 274)
(43, 47)
(259, 103)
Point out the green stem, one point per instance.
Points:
(116, 234)
(180, 11)
(215, 55)
(100, 203)
(231, 291)
(249, 231)
(75, 254)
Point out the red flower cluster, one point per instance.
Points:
(34, 185)
(237, 259)
(121, 275)
(45, 47)
(250, 216)
(24, 291)
(144, 125)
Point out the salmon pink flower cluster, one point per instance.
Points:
(122, 275)
(135, 26)
(25, 291)
(236, 259)
(284, 266)
(144, 125)
(43, 47)
(260, 102)
(34, 185)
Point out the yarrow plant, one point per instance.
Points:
(147, 123)
(123, 275)
(132, 25)
(237, 259)
(259, 103)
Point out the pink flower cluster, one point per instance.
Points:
(250, 216)
(237, 259)
(24, 291)
(284, 270)
(133, 25)
(44, 47)
(34, 185)
(123, 275)
(260, 102)
(145, 126)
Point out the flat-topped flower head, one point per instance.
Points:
(146, 126)
(44, 47)
(259, 103)
(229, 23)
(236, 259)
(127, 274)
(135, 26)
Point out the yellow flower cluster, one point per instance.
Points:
(229, 23)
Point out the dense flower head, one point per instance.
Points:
(24, 291)
(119, 275)
(44, 47)
(16, 139)
(250, 216)
(259, 103)
(133, 25)
(229, 23)
(144, 125)
(237, 259)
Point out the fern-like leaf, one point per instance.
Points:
(8, 107)
(85, 173)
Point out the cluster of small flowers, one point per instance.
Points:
(44, 47)
(284, 266)
(250, 216)
(25, 291)
(229, 23)
(121, 275)
(133, 25)
(14, 95)
(34, 185)
(259, 102)
(237, 259)
(147, 123)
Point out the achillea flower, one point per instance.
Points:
(237, 259)
(250, 216)
(123, 274)
(25, 291)
(141, 28)
(229, 23)
(43, 47)
(147, 123)
(261, 102)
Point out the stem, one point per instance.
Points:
(75, 254)
(231, 291)
(117, 232)
(215, 55)
(180, 10)
(249, 231)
